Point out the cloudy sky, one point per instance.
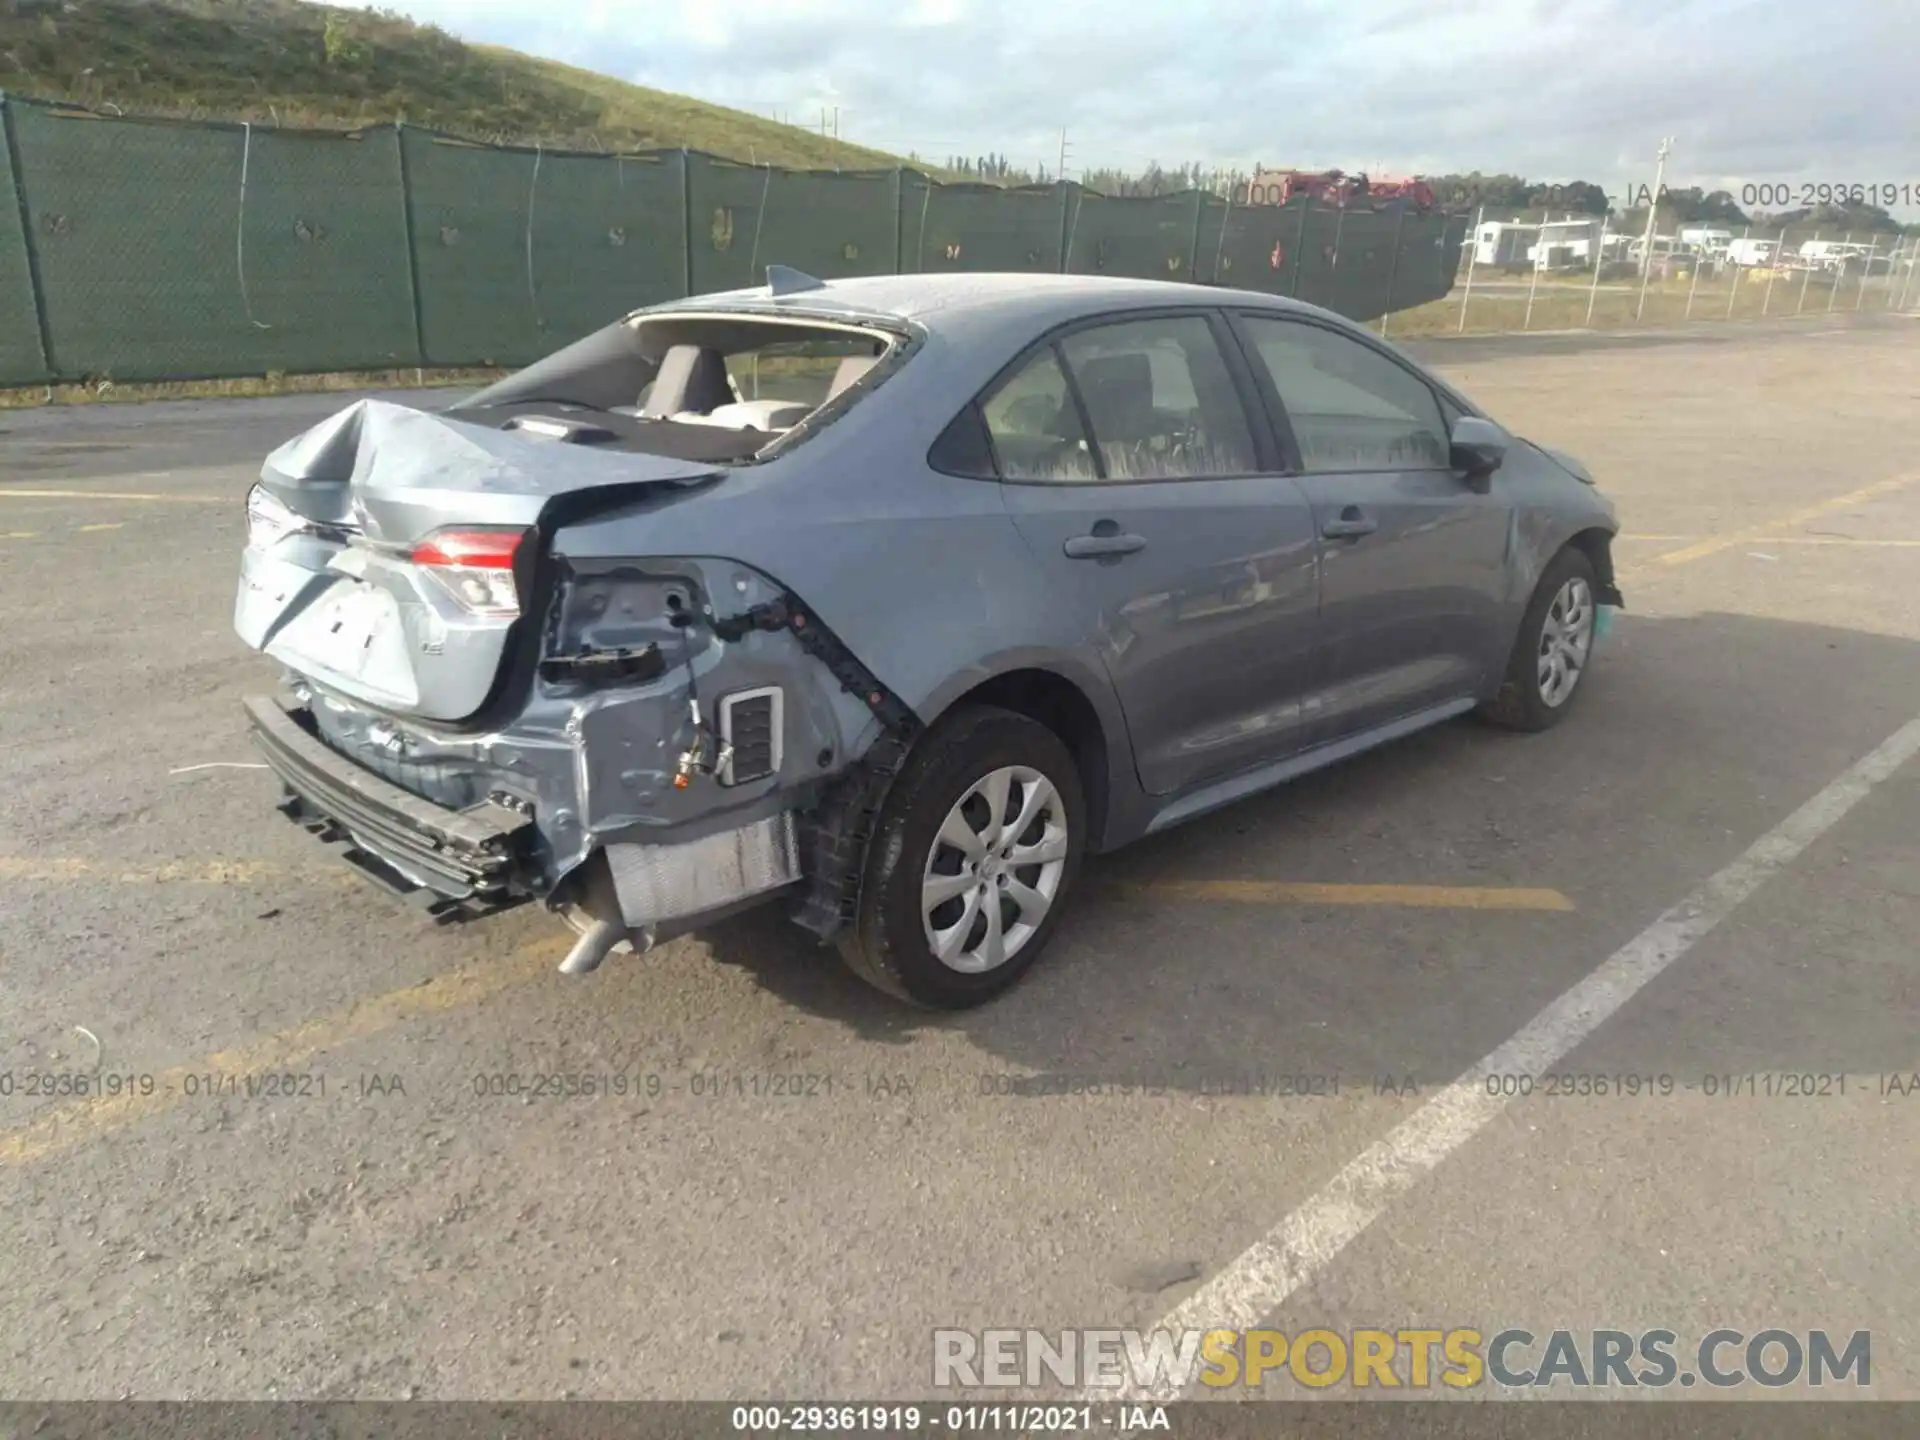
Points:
(1751, 90)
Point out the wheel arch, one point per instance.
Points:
(1072, 696)
(1596, 543)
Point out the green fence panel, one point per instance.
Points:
(1317, 283)
(22, 359)
(156, 262)
(518, 252)
(974, 227)
(1252, 247)
(1147, 238)
(1453, 247)
(1363, 263)
(1425, 272)
(609, 236)
(827, 223)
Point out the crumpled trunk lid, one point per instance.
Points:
(342, 602)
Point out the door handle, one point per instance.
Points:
(1350, 524)
(1095, 547)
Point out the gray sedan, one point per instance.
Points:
(890, 600)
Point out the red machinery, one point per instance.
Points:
(1336, 187)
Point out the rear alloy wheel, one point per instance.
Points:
(991, 880)
(1552, 652)
(971, 862)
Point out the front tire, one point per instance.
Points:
(971, 863)
(1553, 650)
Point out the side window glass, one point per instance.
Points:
(1160, 399)
(1036, 427)
(1351, 407)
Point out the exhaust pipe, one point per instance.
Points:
(596, 914)
(593, 946)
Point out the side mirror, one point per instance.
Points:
(1478, 448)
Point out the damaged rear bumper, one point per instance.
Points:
(483, 858)
(638, 801)
(472, 858)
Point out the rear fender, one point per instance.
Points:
(1126, 807)
(632, 647)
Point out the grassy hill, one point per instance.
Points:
(297, 64)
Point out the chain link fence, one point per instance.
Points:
(149, 250)
(1538, 270)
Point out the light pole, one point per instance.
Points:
(1653, 216)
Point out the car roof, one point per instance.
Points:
(979, 300)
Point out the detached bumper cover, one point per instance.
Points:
(473, 855)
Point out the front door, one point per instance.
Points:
(1132, 469)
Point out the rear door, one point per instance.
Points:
(1137, 466)
(1412, 558)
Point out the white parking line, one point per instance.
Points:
(1307, 1241)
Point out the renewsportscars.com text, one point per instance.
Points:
(1414, 1359)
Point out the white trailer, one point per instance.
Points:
(1706, 240)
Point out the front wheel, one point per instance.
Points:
(971, 863)
(1553, 649)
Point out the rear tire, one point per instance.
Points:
(1552, 652)
(957, 902)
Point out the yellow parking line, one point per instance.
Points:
(1431, 897)
(1256, 892)
(18, 534)
(85, 1120)
(7, 492)
(1714, 544)
(109, 525)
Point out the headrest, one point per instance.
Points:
(690, 378)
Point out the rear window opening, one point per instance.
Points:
(719, 387)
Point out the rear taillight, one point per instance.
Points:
(475, 567)
(268, 520)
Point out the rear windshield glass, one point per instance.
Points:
(646, 382)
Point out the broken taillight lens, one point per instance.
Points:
(475, 567)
